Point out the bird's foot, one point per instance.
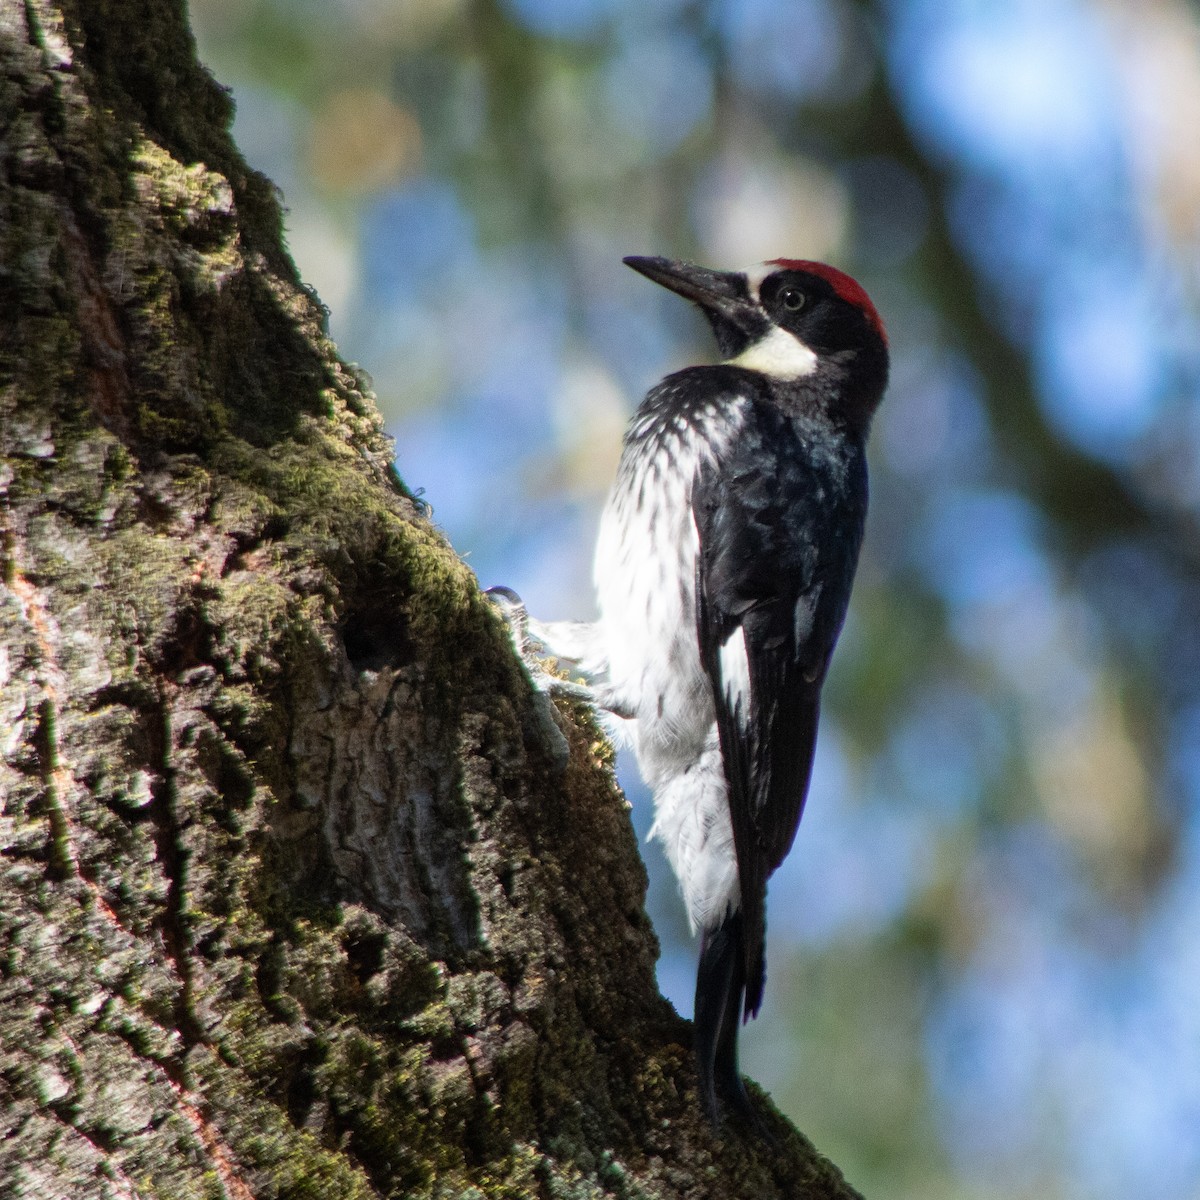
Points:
(545, 684)
(516, 616)
(531, 647)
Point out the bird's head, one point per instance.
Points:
(795, 321)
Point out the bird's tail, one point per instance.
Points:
(754, 951)
(721, 980)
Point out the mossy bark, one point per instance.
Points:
(296, 896)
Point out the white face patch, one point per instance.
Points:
(755, 275)
(780, 354)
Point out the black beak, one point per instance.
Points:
(724, 296)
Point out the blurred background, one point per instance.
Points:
(985, 947)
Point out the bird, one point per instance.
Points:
(723, 569)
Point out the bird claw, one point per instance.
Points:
(530, 647)
(516, 616)
(512, 608)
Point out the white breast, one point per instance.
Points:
(645, 572)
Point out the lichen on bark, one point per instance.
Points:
(296, 897)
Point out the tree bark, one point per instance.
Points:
(297, 897)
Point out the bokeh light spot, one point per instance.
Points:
(361, 140)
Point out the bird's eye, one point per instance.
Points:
(792, 299)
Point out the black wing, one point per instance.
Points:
(780, 520)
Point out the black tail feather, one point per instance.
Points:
(754, 938)
(720, 992)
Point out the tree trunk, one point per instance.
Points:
(297, 897)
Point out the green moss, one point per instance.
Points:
(293, 1164)
(344, 519)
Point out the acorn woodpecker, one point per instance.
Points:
(723, 570)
